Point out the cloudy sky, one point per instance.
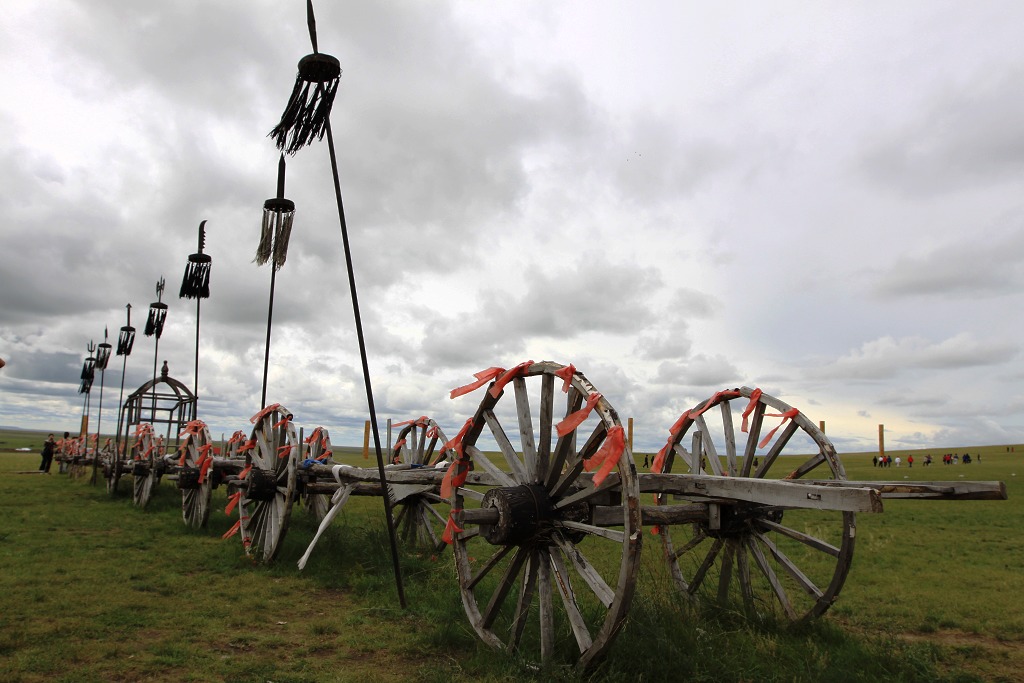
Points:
(820, 199)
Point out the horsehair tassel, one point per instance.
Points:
(195, 284)
(284, 232)
(309, 107)
(150, 323)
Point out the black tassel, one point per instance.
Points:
(125, 341)
(87, 371)
(309, 107)
(86, 386)
(266, 248)
(155, 321)
(196, 282)
(284, 233)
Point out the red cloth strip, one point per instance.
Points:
(755, 396)
(233, 530)
(714, 400)
(792, 412)
(420, 421)
(608, 456)
(263, 413)
(313, 437)
(232, 502)
(508, 376)
(566, 374)
(451, 528)
(432, 433)
(284, 451)
(482, 378)
(245, 472)
(574, 420)
(659, 460)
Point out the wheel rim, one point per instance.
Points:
(195, 502)
(264, 523)
(563, 591)
(769, 563)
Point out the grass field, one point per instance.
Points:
(92, 589)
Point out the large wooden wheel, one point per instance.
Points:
(553, 575)
(143, 464)
(420, 443)
(318, 447)
(768, 561)
(195, 475)
(269, 487)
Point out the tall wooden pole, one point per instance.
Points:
(881, 441)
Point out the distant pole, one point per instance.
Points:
(366, 438)
(155, 326)
(278, 215)
(102, 358)
(630, 429)
(125, 342)
(821, 426)
(195, 284)
(881, 440)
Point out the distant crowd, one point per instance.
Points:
(947, 459)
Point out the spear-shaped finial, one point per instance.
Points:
(311, 22)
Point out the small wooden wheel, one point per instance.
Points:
(143, 465)
(769, 561)
(419, 444)
(195, 475)
(554, 569)
(318, 447)
(269, 488)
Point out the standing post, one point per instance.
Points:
(278, 215)
(126, 339)
(102, 358)
(881, 441)
(307, 117)
(155, 326)
(88, 374)
(195, 284)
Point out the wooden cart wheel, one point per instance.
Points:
(420, 519)
(195, 475)
(269, 488)
(143, 466)
(319, 448)
(768, 561)
(554, 576)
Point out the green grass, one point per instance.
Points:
(93, 589)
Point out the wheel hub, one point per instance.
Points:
(734, 520)
(261, 484)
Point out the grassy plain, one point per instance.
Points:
(92, 589)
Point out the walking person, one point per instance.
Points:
(49, 446)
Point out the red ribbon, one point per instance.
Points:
(263, 413)
(508, 376)
(233, 530)
(451, 528)
(608, 456)
(792, 412)
(420, 421)
(245, 472)
(659, 460)
(283, 421)
(566, 374)
(482, 378)
(755, 396)
(283, 451)
(313, 437)
(232, 502)
(574, 420)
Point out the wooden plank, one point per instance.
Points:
(776, 492)
(933, 490)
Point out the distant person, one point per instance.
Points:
(49, 446)
(927, 459)
(898, 461)
(874, 461)
(956, 459)
(910, 461)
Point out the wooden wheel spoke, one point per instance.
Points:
(566, 444)
(526, 591)
(780, 444)
(806, 539)
(424, 515)
(725, 576)
(572, 609)
(505, 584)
(490, 564)
(697, 539)
(769, 574)
(702, 570)
(526, 441)
(509, 451)
(708, 445)
(789, 566)
(437, 515)
(480, 459)
(610, 482)
(610, 534)
(593, 442)
(753, 436)
(730, 438)
(547, 608)
(547, 399)
(807, 466)
(586, 570)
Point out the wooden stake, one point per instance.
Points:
(366, 440)
(881, 440)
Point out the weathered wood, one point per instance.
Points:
(925, 490)
(775, 492)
